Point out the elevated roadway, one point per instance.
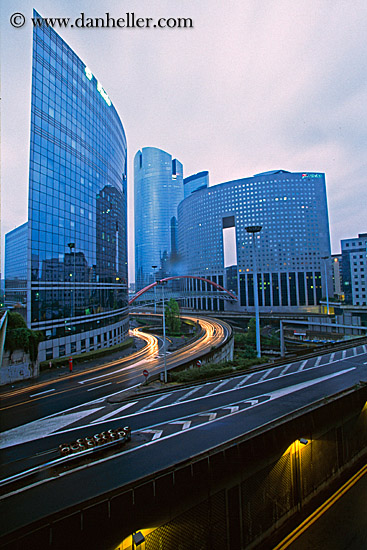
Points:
(168, 429)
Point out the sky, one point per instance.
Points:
(255, 85)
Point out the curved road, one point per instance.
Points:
(48, 398)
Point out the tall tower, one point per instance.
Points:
(77, 246)
(158, 191)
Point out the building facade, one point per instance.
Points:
(16, 242)
(158, 190)
(354, 270)
(195, 182)
(292, 210)
(77, 210)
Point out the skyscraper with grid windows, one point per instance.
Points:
(77, 243)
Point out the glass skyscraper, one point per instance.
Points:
(16, 242)
(158, 191)
(77, 242)
(292, 210)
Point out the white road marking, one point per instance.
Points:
(243, 381)
(157, 433)
(318, 361)
(302, 365)
(185, 424)
(285, 369)
(113, 413)
(42, 393)
(216, 388)
(212, 416)
(265, 374)
(252, 402)
(344, 353)
(232, 409)
(152, 403)
(183, 397)
(40, 428)
(97, 387)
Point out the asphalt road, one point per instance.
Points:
(170, 427)
(46, 398)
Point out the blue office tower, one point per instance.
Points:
(158, 191)
(77, 242)
(16, 242)
(288, 271)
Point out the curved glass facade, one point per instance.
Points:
(292, 210)
(158, 191)
(77, 242)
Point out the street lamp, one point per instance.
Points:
(253, 229)
(72, 247)
(326, 285)
(155, 298)
(162, 283)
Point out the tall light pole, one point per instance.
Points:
(253, 229)
(155, 298)
(326, 285)
(72, 247)
(162, 283)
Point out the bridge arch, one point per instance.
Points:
(149, 287)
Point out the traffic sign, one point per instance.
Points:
(146, 373)
(198, 363)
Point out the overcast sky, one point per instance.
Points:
(256, 85)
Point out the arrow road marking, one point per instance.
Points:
(212, 416)
(157, 433)
(231, 409)
(185, 424)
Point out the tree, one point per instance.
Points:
(173, 316)
(15, 320)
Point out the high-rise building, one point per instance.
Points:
(77, 243)
(291, 209)
(195, 182)
(354, 270)
(16, 242)
(158, 191)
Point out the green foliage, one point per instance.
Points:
(173, 321)
(23, 339)
(15, 320)
(209, 370)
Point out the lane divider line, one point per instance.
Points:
(42, 392)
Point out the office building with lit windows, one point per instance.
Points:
(76, 231)
(354, 270)
(292, 210)
(158, 189)
(16, 242)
